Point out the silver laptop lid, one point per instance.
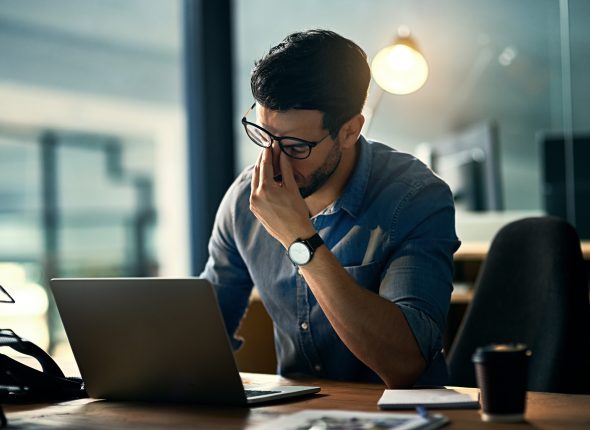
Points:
(149, 339)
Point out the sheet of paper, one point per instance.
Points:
(336, 419)
(430, 398)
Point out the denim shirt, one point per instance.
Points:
(392, 229)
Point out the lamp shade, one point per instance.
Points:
(400, 68)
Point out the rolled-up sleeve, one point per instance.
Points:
(419, 273)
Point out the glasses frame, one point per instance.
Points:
(10, 299)
(301, 142)
(10, 334)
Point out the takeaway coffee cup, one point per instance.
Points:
(501, 372)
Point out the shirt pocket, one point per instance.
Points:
(367, 275)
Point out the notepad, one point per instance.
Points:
(438, 398)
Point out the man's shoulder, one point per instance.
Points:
(390, 167)
(236, 201)
(405, 190)
(240, 187)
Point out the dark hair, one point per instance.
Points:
(317, 70)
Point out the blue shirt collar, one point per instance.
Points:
(351, 198)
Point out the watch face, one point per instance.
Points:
(299, 253)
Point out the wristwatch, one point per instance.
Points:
(301, 251)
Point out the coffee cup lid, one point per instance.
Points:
(494, 351)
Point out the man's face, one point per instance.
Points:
(313, 172)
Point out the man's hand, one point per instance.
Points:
(279, 205)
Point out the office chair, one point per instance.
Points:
(532, 288)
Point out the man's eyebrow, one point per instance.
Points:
(288, 133)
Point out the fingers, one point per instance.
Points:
(256, 173)
(266, 169)
(287, 172)
(263, 171)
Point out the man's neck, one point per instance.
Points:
(333, 188)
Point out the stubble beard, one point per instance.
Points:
(323, 173)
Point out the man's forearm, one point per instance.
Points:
(374, 329)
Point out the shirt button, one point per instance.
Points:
(317, 367)
(304, 326)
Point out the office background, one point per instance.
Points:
(101, 173)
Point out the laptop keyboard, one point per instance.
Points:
(254, 393)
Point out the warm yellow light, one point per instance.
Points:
(399, 68)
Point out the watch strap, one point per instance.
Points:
(314, 242)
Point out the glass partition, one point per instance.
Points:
(92, 149)
(499, 63)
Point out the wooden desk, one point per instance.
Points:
(544, 411)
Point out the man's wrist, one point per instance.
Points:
(303, 233)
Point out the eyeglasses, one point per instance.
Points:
(292, 146)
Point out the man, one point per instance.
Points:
(349, 242)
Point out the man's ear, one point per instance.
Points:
(350, 131)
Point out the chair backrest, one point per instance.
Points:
(532, 288)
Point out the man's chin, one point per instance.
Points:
(307, 191)
(304, 193)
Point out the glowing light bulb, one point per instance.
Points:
(400, 68)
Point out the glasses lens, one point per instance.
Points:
(295, 149)
(258, 136)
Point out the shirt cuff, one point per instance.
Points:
(425, 331)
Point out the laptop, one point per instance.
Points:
(155, 339)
